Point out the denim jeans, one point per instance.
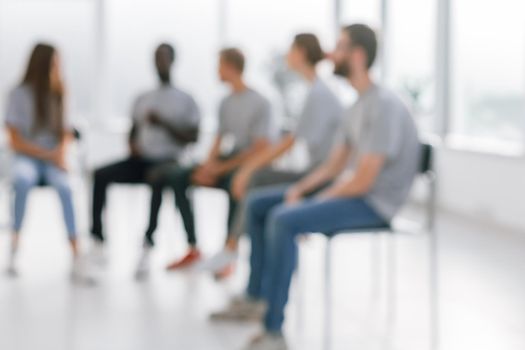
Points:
(29, 172)
(273, 227)
(266, 177)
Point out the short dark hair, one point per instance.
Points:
(233, 56)
(310, 44)
(364, 37)
(171, 50)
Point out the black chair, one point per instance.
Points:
(426, 173)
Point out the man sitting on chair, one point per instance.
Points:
(165, 121)
(245, 125)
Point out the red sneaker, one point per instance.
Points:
(225, 272)
(189, 259)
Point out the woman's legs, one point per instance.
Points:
(58, 179)
(25, 176)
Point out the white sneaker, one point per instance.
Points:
(80, 273)
(267, 341)
(97, 253)
(143, 266)
(241, 309)
(218, 262)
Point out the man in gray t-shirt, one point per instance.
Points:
(165, 121)
(244, 116)
(158, 118)
(245, 128)
(363, 184)
(380, 124)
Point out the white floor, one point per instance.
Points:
(482, 287)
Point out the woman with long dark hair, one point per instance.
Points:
(39, 136)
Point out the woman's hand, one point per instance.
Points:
(293, 195)
(58, 158)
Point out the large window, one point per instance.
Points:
(488, 90)
(410, 63)
(367, 12)
(361, 11)
(406, 58)
(135, 27)
(69, 25)
(264, 29)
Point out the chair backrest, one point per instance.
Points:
(77, 135)
(427, 168)
(427, 155)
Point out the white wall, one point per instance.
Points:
(488, 188)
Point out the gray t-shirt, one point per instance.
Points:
(380, 123)
(319, 122)
(173, 106)
(243, 118)
(20, 115)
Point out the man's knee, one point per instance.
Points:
(280, 218)
(253, 204)
(180, 179)
(101, 175)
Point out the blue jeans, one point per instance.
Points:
(273, 227)
(29, 172)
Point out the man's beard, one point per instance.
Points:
(342, 70)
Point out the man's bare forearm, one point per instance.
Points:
(269, 154)
(325, 172)
(241, 158)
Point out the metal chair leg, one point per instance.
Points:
(328, 296)
(391, 302)
(433, 272)
(375, 267)
(299, 288)
(434, 291)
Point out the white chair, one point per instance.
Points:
(427, 174)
